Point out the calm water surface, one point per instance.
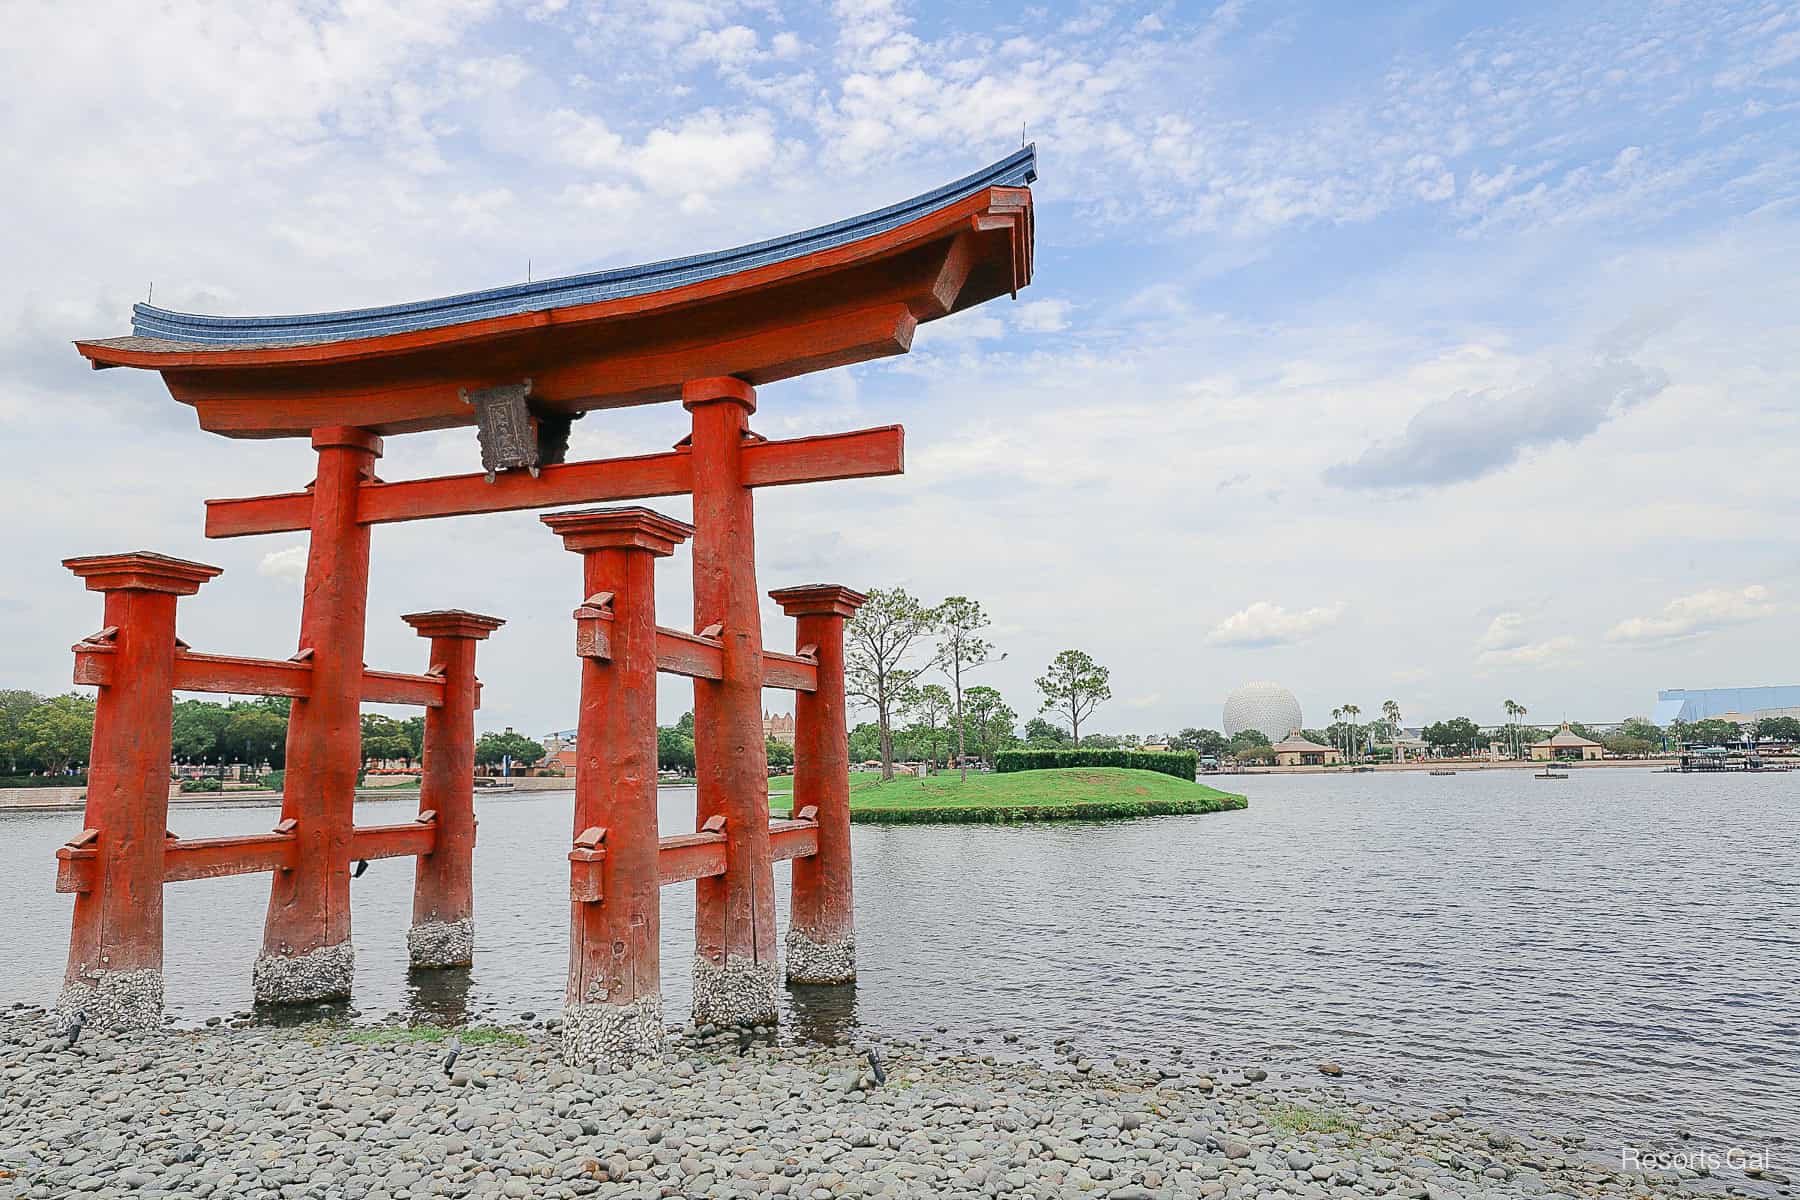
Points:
(1616, 954)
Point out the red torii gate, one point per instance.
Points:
(521, 363)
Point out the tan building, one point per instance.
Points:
(779, 726)
(1296, 751)
(1566, 744)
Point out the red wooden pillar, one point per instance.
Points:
(306, 952)
(116, 943)
(443, 924)
(612, 1004)
(735, 956)
(821, 941)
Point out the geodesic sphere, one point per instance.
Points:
(1268, 708)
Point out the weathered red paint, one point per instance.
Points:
(863, 454)
(822, 906)
(734, 917)
(246, 854)
(218, 857)
(793, 840)
(687, 856)
(309, 906)
(233, 675)
(614, 954)
(118, 920)
(444, 883)
(415, 838)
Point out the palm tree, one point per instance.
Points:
(1351, 711)
(1337, 716)
(1519, 736)
(1513, 711)
(1390, 712)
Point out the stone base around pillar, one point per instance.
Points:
(820, 962)
(737, 994)
(610, 1037)
(111, 1001)
(442, 943)
(322, 974)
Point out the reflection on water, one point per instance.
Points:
(439, 996)
(1614, 953)
(826, 1015)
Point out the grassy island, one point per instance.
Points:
(1066, 794)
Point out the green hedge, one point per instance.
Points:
(273, 780)
(1094, 810)
(1182, 764)
(202, 785)
(19, 781)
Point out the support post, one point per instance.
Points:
(114, 975)
(612, 1003)
(735, 957)
(821, 940)
(443, 923)
(307, 954)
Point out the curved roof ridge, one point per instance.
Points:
(1015, 170)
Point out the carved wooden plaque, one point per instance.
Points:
(505, 427)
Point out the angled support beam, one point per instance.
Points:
(689, 654)
(794, 672)
(396, 687)
(684, 857)
(793, 839)
(393, 841)
(863, 454)
(234, 675)
(215, 858)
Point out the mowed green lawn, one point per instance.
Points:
(1069, 793)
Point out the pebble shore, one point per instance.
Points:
(369, 1113)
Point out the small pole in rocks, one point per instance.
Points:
(875, 1067)
(73, 1029)
(454, 1046)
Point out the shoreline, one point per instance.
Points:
(368, 1111)
(1453, 764)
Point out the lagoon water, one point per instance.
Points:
(1617, 954)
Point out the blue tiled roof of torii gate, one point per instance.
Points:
(1015, 170)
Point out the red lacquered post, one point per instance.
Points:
(115, 974)
(443, 924)
(735, 955)
(306, 954)
(821, 940)
(612, 1004)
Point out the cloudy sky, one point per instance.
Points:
(1440, 352)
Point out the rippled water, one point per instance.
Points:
(1617, 954)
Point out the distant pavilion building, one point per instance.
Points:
(1298, 751)
(1741, 704)
(1409, 746)
(1566, 743)
(779, 727)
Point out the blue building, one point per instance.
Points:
(1748, 704)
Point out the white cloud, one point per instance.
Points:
(1265, 623)
(1041, 316)
(1691, 616)
(287, 563)
(1550, 652)
(1507, 643)
(1505, 632)
(1471, 434)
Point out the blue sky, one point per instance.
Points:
(1436, 352)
